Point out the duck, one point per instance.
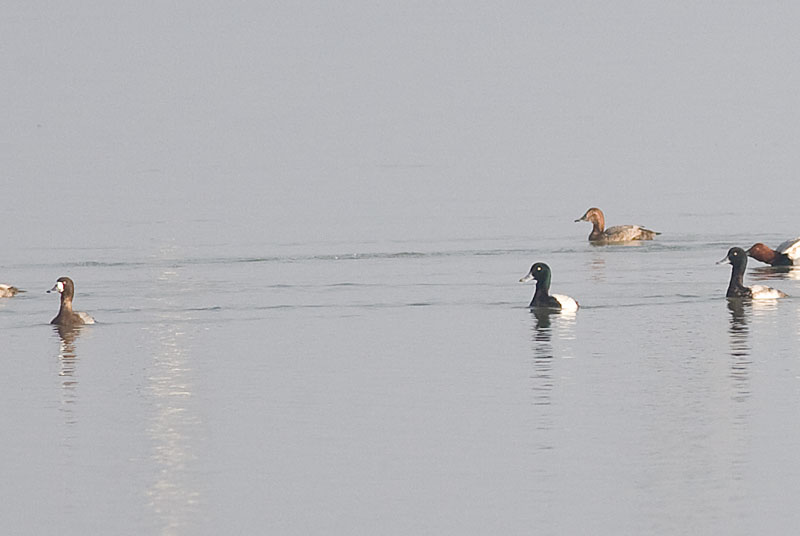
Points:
(6, 291)
(542, 297)
(737, 257)
(786, 254)
(66, 316)
(618, 233)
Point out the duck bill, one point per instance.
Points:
(58, 287)
(526, 278)
(582, 218)
(726, 260)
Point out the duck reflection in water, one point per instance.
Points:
(550, 322)
(542, 355)
(598, 269)
(68, 360)
(740, 348)
(542, 326)
(67, 336)
(766, 273)
(738, 318)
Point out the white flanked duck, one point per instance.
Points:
(66, 316)
(786, 254)
(6, 291)
(737, 257)
(618, 233)
(542, 297)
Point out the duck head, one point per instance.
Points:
(64, 286)
(593, 215)
(736, 256)
(762, 252)
(540, 272)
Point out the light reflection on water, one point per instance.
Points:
(173, 498)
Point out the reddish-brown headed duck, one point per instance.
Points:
(66, 316)
(618, 233)
(786, 254)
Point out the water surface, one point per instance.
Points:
(404, 390)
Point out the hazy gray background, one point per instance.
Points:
(342, 121)
(301, 227)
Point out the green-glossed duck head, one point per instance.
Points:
(540, 272)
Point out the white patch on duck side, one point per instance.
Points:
(567, 304)
(87, 319)
(762, 292)
(790, 248)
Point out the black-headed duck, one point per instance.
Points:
(737, 257)
(618, 233)
(66, 316)
(786, 254)
(542, 297)
(6, 291)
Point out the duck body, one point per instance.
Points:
(786, 254)
(66, 316)
(6, 291)
(617, 233)
(737, 257)
(542, 299)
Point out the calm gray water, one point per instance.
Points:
(301, 229)
(401, 388)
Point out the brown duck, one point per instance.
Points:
(618, 233)
(66, 316)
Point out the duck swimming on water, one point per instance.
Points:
(6, 291)
(737, 257)
(617, 233)
(786, 254)
(66, 316)
(542, 297)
